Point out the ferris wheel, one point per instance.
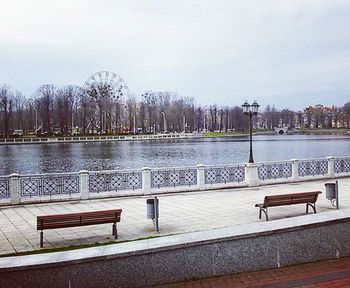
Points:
(105, 84)
(104, 88)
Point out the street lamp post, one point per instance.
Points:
(250, 110)
(134, 124)
(164, 120)
(36, 120)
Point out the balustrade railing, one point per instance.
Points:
(14, 187)
(173, 177)
(274, 170)
(106, 181)
(49, 184)
(224, 174)
(313, 167)
(37, 140)
(342, 165)
(5, 187)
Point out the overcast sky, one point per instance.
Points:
(288, 53)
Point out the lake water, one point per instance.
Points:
(72, 157)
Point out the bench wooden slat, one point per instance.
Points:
(308, 198)
(289, 199)
(68, 220)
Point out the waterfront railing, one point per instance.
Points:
(51, 140)
(16, 188)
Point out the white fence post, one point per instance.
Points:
(295, 169)
(331, 160)
(84, 184)
(14, 188)
(146, 180)
(251, 175)
(201, 177)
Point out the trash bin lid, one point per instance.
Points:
(150, 201)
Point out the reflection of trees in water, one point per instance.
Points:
(72, 157)
(56, 157)
(7, 161)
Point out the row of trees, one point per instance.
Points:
(69, 110)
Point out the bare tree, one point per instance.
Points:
(6, 104)
(346, 110)
(45, 101)
(131, 105)
(20, 121)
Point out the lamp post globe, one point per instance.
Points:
(255, 107)
(245, 107)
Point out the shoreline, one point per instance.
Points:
(108, 138)
(82, 139)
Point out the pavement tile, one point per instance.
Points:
(179, 213)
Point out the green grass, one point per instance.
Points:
(219, 134)
(76, 247)
(320, 131)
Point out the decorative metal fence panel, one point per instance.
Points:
(173, 177)
(5, 188)
(106, 181)
(313, 167)
(224, 174)
(341, 165)
(275, 170)
(49, 185)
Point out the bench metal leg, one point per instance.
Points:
(41, 239)
(114, 230)
(265, 212)
(313, 206)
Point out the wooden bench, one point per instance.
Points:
(308, 198)
(78, 219)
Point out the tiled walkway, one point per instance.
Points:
(179, 213)
(330, 273)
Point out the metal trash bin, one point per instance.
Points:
(150, 209)
(330, 191)
(153, 211)
(152, 205)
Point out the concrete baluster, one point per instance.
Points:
(295, 169)
(84, 184)
(14, 189)
(201, 177)
(146, 180)
(331, 160)
(251, 175)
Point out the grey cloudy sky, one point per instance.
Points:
(288, 53)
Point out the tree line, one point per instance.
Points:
(69, 110)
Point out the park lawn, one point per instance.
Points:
(220, 134)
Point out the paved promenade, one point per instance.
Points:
(331, 273)
(179, 213)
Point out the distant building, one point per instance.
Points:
(320, 116)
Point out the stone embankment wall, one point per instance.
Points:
(244, 248)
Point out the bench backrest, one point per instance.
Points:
(78, 219)
(289, 199)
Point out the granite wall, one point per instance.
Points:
(252, 247)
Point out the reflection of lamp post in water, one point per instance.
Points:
(250, 110)
(164, 120)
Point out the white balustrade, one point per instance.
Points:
(15, 188)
